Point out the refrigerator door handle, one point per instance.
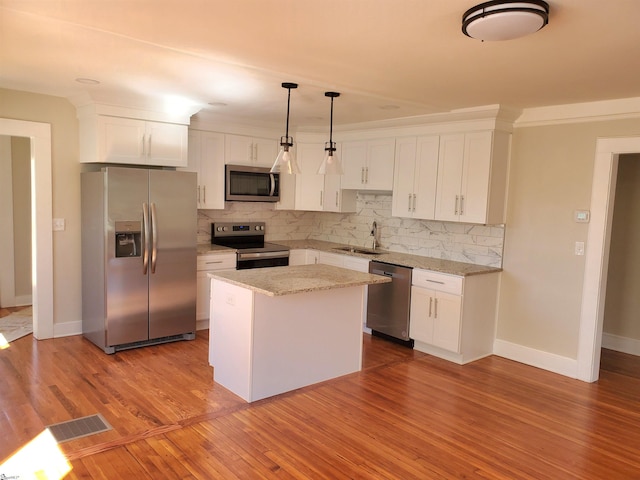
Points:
(154, 237)
(147, 238)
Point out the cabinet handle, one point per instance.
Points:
(336, 198)
(409, 207)
(456, 209)
(210, 263)
(321, 197)
(204, 194)
(435, 309)
(255, 152)
(149, 146)
(414, 202)
(362, 175)
(461, 204)
(430, 304)
(366, 178)
(198, 195)
(144, 145)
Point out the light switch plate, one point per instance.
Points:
(579, 248)
(58, 224)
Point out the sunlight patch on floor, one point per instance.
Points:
(39, 459)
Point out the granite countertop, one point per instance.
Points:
(407, 260)
(277, 281)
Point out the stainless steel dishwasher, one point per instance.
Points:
(389, 303)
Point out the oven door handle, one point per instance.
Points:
(247, 256)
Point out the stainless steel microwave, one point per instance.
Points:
(251, 184)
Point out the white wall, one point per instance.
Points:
(61, 114)
(541, 287)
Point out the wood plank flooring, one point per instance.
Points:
(406, 415)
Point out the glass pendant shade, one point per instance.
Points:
(331, 164)
(286, 160)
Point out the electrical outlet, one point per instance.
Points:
(58, 224)
(579, 248)
(231, 299)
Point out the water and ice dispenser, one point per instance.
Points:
(128, 239)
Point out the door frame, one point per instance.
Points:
(41, 220)
(608, 150)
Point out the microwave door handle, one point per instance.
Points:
(273, 184)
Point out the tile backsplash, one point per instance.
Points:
(478, 244)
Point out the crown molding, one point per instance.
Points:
(605, 110)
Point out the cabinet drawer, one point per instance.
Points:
(217, 262)
(437, 281)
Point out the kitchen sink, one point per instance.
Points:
(364, 251)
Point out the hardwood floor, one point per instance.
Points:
(406, 415)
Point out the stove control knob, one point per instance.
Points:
(221, 229)
(261, 227)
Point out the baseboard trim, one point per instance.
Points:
(536, 358)
(621, 344)
(67, 329)
(202, 324)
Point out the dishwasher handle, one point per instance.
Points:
(382, 272)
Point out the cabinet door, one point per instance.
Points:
(426, 177)
(264, 152)
(309, 185)
(446, 321)
(298, 257)
(476, 171)
(166, 144)
(379, 167)
(355, 263)
(450, 161)
(331, 259)
(238, 150)
(403, 178)
(121, 140)
(211, 171)
(354, 157)
(420, 317)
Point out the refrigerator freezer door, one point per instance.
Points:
(127, 285)
(172, 272)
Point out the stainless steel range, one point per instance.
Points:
(248, 239)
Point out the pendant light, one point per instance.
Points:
(286, 161)
(331, 163)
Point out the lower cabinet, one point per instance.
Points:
(453, 317)
(210, 263)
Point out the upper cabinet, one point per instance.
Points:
(314, 192)
(206, 158)
(368, 165)
(134, 141)
(458, 177)
(257, 152)
(472, 177)
(414, 178)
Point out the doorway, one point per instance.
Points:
(608, 151)
(39, 135)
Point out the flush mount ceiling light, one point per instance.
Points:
(331, 163)
(505, 20)
(286, 161)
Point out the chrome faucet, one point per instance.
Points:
(374, 234)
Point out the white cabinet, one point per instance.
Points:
(210, 263)
(301, 256)
(368, 165)
(415, 175)
(472, 169)
(257, 152)
(321, 193)
(453, 317)
(206, 158)
(334, 259)
(109, 139)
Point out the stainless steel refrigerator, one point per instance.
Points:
(138, 257)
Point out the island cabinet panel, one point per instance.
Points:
(263, 345)
(453, 317)
(206, 264)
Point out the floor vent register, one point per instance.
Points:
(79, 427)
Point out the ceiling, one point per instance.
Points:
(387, 58)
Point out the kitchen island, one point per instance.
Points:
(273, 330)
